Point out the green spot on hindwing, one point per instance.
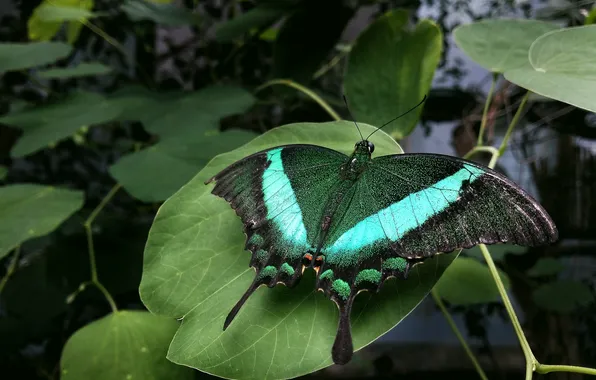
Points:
(341, 288)
(368, 275)
(328, 274)
(256, 239)
(286, 268)
(262, 255)
(395, 263)
(268, 271)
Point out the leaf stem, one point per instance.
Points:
(530, 360)
(513, 123)
(489, 97)
(11, 267)
(304, 90)
(462, 341)
(547, 368)
(88, 224)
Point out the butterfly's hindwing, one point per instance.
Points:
(279, 194)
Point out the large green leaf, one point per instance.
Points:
(24, 56)
(501, 44)
(306, 38)
(195, 267)
(81, 70)
(161, 13)
(155, 173)
(261, 15)
(125, 345)
(562, 66)
(563, 296)
(28, 211)
(467, 281)
(390, 69)
(51, 123)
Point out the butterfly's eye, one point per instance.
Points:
(371, 146)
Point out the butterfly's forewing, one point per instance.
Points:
(280, 194)
(409, 207)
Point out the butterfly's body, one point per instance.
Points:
(358, 221)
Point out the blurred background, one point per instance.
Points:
(166, 48)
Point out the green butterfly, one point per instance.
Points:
(358, 221)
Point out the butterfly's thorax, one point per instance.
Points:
(356, 164)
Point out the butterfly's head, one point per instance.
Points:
(364, 147)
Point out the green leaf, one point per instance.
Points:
(29, 211)
(52, 13)
(155, 173)
(497, 251)
(562, 66)
(390, 69)
(47, 19)
(23, 56)
(591, 17)
(547, 266)
(195, 267)
(51, 123)
(189, 115)
(124, 345)
(3, 172)
(499, 45)
(468, 281)
(563, 296)
(307, 37)
(261, 15)
(161, 13)
(81, 70)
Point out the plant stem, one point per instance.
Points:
(489, 97)
(306, 91)
(530, 360)
(513, 123)
(547, 368)
(88, 224)
(490, 149)
(462, 341)
(11, 267)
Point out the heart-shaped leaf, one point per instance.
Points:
(124, 345)
(500, 44)
(51, 123)
(28, 211)
(23, 56)
(81, 70)
(155, 173)
(390, 69)
(467, 281)
(562, 66)
(195, 268)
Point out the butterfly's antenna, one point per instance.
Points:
(395, 118)
(354, 120)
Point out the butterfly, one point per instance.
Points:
(358, 220)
